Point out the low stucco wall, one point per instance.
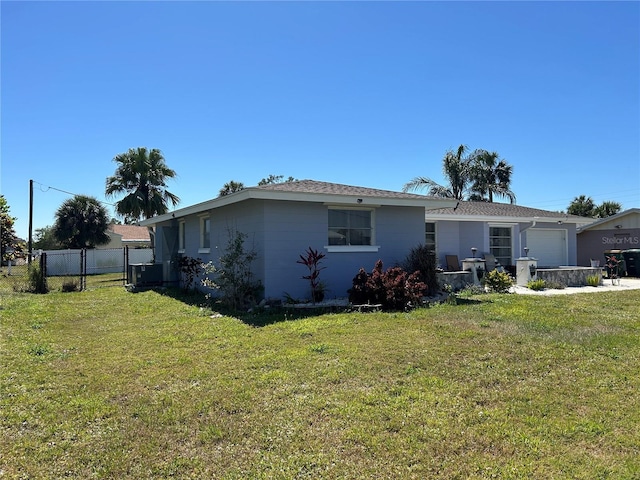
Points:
(570, 276)
(457, 280)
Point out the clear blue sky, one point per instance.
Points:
(361, 93)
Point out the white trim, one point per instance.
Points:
(204, 250)
(351, 248)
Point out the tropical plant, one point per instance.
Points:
(189, 268)
(81, 222)
(491, 176)
(141, 175)
(230, 187)
(312, 259)
(393, 289)
(456, 169)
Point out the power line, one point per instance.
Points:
(48, 187)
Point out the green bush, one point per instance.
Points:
(423, 260)
(498, 282)
(593, 280)
(36, 280)
(537, 285)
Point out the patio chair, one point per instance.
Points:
(490, 262)
(453, 265)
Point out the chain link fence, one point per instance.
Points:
(69, 270)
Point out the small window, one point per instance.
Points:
(500, 244)
(350, 227)
(181, 236)
(430, 236)
(205, 235)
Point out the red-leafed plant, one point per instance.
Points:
(312, 259)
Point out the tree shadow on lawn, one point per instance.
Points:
(257, 317)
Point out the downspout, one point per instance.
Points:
(533, 224)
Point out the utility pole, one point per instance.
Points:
(30, 221)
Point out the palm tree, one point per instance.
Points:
(141, 175)
(491, 176)
(456, 168)
(81, 222)
(582, 206)
(607, 209)
(230, 187)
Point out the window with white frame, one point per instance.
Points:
(430, 236)
(500, 244)
(350, 227)
(205, 235)
(181, 236)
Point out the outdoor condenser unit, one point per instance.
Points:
(146, 274)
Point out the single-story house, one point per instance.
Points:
(503, 230)
(353, 226)
(617, 232)
(133, 236)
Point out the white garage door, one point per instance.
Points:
(548, 246)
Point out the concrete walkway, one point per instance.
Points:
(627, 283)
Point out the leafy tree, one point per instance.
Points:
(8, 237)
(491, 176)
(141, 175)
(45, 239)
(230, 187)
(606, 209)
(275, 179)
(81, 222)
(456, 168)
(582, 206)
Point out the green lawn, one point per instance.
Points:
(110, 384)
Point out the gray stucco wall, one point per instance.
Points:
(593, 243)
(281, 231)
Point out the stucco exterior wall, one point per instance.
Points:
(593, 243)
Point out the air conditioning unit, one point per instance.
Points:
(145, 274)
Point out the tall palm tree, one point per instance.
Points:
(141, 175)
(491, 176)
(456, 169)
(582, 206)
(81, 222)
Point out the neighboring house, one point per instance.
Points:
(617, 232)
(504, 230)
(132, 236)
(353, 226)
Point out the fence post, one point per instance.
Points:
(83, 269)
(43, 265)
(126, 265)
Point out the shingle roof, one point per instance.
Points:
(131, 233)
(493, 209)
(313, 186)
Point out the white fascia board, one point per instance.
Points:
(500, 219)
(262, 194)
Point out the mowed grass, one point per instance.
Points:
(110, 384)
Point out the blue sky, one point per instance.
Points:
(361, 93)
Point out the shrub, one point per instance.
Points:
(421, 259)
(537, 285)
(394, 289)
(71, 286)
(37, 279)
(234, 278)
(593, 280)
(312, 259)
(498, 282)
(189, 268)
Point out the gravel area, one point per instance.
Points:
(625, 284)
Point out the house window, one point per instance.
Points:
(181, 236)
(500, 244)
(350, 227)
(205, 235)
(430, 236)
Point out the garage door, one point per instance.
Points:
(548, 246)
